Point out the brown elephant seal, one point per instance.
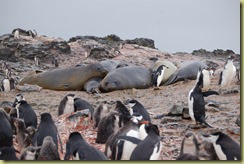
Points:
(187, 70)
(126, 78)
(68, 79)
(167, 72)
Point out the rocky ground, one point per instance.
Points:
(157, 102)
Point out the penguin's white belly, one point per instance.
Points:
(219, 152)
(228, 75)
(190, 106)
(6, 85)
(69, 108)
(156, 151)
(129, 146)
(206, 81)
(189, 148)
(160, 78)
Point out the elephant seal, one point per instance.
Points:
(68, 79)
(187, 70)
(126, 78)
(167, 72)
(92, 85)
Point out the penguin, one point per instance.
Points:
(7, 84)
(16, 34)
(37, 61)
(206, 78)
(196, 101)
(136, 107)
(225, 147)
(158, 75)
(46, 128)
(48, 150)
(22, 134)
(79, 149)
(18, 98)
(206, 151)
(107, 125)
(8, 153)
(66, 105)
(99, 113)
(114, 146)
(151, 145)
(6, 133)
(124, 116)
(54, 61)
(4, 66)
(227, 76)
(189, 145)
(80, 104)
(25, 112)
(30, 153)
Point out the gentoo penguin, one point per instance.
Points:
(124, 113)
(81, 104)
(189, 145)
(158, 75)
(18, 98)
(8, 153)
(46, 128)
(16, 34)
(107, 125)
(78, 149)
(48, 150)
(196, 101)
(7, 84)
(225, 147)
(149, 148)
(30, 153)
(37, 61)
(99, 113)
(25, 112)
(22, 134)
(114, 147)
(136, 107)
(6, 134)
(66, 105)
(227, 76)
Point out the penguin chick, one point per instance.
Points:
(136, 107)
(29, 153)
(99, 113)
(22, 135)
(108, 125)
(48, 150)
(80, 104)
(189, 145)
(225, 147)
(66, 105)
(196, 101)
(124, 113)
(158, 75)
(7, 153)
(79, 149)
(151, 145)
(227, 76)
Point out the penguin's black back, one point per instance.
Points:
(139, 108)
(6, 134)
(7, 153)
(80, 104)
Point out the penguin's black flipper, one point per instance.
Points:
(208, 93)
(131, 139)
(220, 77)
(206, 124)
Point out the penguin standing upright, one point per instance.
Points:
(37, 61)
(196, 101)
(99, 113)
(81, 104)
(25, 112)
(206, 78)
(149, 148)
(18, 98)
(124, 113)
(7, 84)
(79, 149)
(225, 147)
(137, 107)
(48, 150)
(66, 105)
(158, 75)
(6, 134)
(16, 34)
(46, 128)
(227, 76)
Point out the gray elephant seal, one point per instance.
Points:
(187, 70)
(66, 79)
(126, 78)
(92, 85)
(167, 72)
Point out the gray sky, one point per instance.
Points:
(174, 25)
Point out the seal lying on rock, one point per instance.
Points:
(66, 79)
(126, 78)
(187, 70)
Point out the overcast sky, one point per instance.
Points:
(174, 25)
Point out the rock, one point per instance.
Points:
(176, 110)
(28, 88)
(142, 42)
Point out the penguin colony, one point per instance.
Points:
(127, 130)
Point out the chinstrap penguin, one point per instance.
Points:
(66, 105)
